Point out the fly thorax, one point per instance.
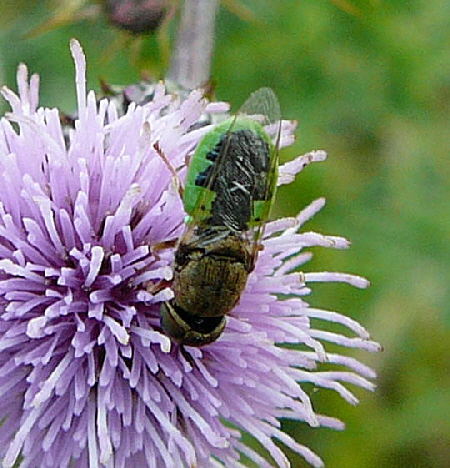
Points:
(210, 275)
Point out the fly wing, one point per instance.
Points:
(204, 169)
(263, 106)
(232, 175)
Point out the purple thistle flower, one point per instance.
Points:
(87, 378)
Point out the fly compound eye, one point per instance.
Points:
(188, 329)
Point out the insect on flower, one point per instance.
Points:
(88, 224)
(229, 190)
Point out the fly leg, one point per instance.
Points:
(173, 171)
(155, 248)
(155, 287)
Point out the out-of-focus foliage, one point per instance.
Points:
(368, 80)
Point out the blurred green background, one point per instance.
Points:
(369, 81)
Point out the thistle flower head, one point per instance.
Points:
(87, 377)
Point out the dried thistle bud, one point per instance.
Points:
(136, 16)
